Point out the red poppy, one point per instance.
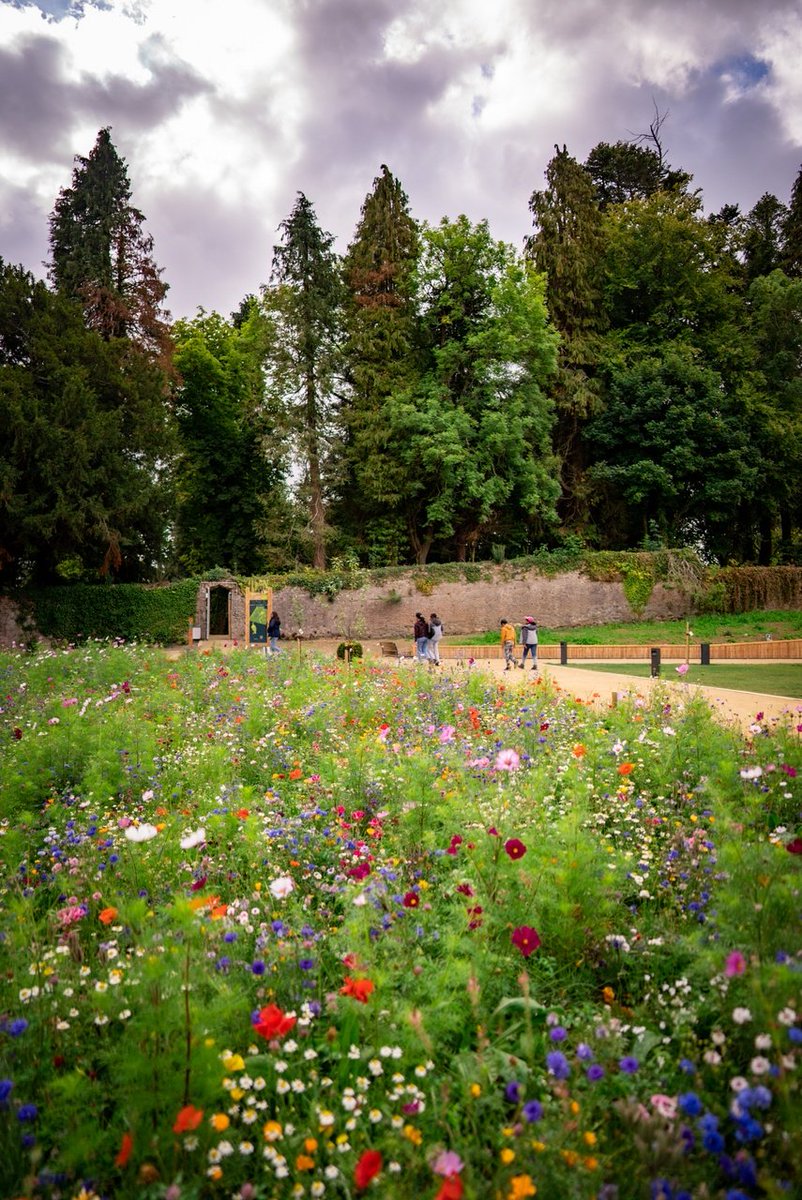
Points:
(526, 939)
(124, 1153)
(107, 915)
(411, 900)
(450, 1189)
(188, 1119)
(296, 773)
(626, 768)
(367, 1168)
(272, 1022)
(515, 848)
(360, 989)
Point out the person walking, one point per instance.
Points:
(274, 632)
(435, 634)
(529, 641)
(508, 643)
(421, 635)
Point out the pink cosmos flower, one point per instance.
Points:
(515, 848)
(507, 760)
(735, 964)
(448, 1162)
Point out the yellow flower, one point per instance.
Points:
(591, 1163)
(538, 1147)
(413, 1135)
(220, 1122)
(590, 1138)
(476, 1089)
(507, 1155)
(570, 1157)
(234, 1062)
(574, 1106)
(237, 1093)
(521, 1186)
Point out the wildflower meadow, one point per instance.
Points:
(278, 929)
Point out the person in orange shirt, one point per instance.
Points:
(508, 643)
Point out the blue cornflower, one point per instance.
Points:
(27, 1112)
(5, 1091)
(628, 1064)
(558, 1064)
(230, 936)
(558, 1034)
(306, 964)
(595, 1072)
(713, 1141)
(258, 967)
(17, 1026)
(532, 1111)
(512, 1092)
(795, 1034)
(690, 1104)
(584, 1052)
(687, 1066)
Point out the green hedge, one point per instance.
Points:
(137, 612)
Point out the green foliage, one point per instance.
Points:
(349, 649)
(134, 612)
(747, 588)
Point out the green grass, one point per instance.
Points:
(770, 678)
(712, 627)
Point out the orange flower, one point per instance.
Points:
(189, 1118)
(304, 1163)
(360, 989)
(107, 915)
(243, 813)
(124, 1153)
(367, 1168)
(626, 768)
(296, 773)
(579, 750)
(273, 1023)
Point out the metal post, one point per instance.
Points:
(704, 649)
(654, 668)
(563, 654)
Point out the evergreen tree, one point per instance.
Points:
(568, 247)
(762, 236)
(303, 305)
(102, 257)
(84, 482)
(627, 171)
(792, 232)
(230, 467)
(670, 447)
(473, 433)
(379, 357)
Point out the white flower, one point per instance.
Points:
(763, 1041)
(751, 772)
(196, 838)
(280, 888)
(741, 1015)
(759, 1065)
(141, 833)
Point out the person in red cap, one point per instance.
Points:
(529, 641)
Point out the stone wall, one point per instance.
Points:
(378, 612)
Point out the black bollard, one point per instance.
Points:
(563, 654)
(704, 650)
(654, 669)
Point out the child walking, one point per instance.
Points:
(508, 643)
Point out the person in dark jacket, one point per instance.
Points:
(421, 636)
(274, 632)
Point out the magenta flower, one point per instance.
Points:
(515, 848)
(682, 669)
(447, 1163)
(526, 939)
(735, 964)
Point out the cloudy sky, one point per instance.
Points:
(225, 109)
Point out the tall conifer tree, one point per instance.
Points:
(102, 256)
(792, 232)
(303, 303)
(567, 246)
(379, 358)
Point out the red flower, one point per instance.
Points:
(16, 733)
(124, 1153)
(272, 1022)
(360, 989)
(367, 1168)
(526, 939)
(515, 848)
(626, 768)
(794, 847)
(450, 1189)
(189, 1118)
(411, 900)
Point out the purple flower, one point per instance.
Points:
(17, 1026)
(513, 1092)
(558, 1034)
(690, 1104)
(258, 967)
(27, 1112)
(594, 1072)
(532, 1111)
(5, 1091)
(584, 1052)
(558, 1065)
(628, 1064)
